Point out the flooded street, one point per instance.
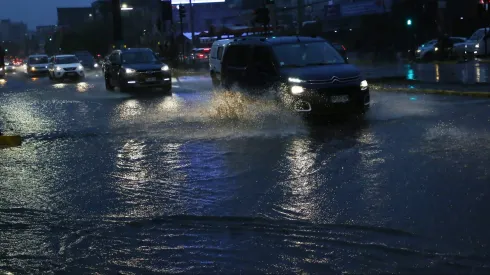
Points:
(211, 182)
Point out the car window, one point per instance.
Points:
(220, 52)
(307, 54)
(262, 59)
(114, 57)
(38, 60)
(237, 55)
(66, 60)
(138, 57)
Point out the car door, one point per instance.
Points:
(234, 66)
(261, 72)
(114, 67)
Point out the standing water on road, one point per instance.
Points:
(217, 182)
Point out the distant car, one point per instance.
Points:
(36, 65)
(87, 60)
(9, 66)
(136, 68)
(65, 66)
(428, 50)
(200, 56)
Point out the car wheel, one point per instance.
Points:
(108, 85)
(167, 89)
(215, 80)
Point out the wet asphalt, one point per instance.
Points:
(209, 182)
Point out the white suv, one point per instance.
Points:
(65, 66)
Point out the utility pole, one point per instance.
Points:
(301, 12)
(117, 24)
(191, 17)
(485, 26)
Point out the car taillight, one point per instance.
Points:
(343, 48)
(200, 55)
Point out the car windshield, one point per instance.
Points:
(86, 58)
(38, 60)
(138, 57)
(66, 60)
(478, 35)
(307, 54)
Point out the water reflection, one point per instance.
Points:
(299, 200)
(437, 72)
(171, 103)
(82, 87)
(374, 180)
(59, 85)
(477, 73)
(410, 74)
(129, 109)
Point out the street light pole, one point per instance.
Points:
(299, 20)
(117, 24)
(191, 17)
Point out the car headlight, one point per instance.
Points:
(130, 71)
(477, 46)
(58, 69)
(1, 69)
(295, 80)
(296, 90)
(419, 50)
(80, 67)
(364, 85)
(436, 49)
(33, 68)
(46, 67)
(165, 68)
(96, 65)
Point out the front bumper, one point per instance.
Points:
(328, 101)
(68, 74)
(141, 80)
(38, 71)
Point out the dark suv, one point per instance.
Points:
(306, 73)
(136, 68)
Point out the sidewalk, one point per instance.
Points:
(463, 73)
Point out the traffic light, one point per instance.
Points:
(182, 11)
(409, 22)
(262, 16)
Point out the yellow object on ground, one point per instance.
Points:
(10, 141)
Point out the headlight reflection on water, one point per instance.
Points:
(59, 85)
(82, 87)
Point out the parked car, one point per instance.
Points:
(474, 46)
(305, 73)
(429, 50)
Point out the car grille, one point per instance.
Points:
(70, 69)
(334, 79)
(150, 71)
(340, 90)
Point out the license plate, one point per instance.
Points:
(339, 99)
(151, 79)
(71, 74)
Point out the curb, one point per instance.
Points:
(480, 94)
(403, 80)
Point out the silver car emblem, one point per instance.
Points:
(334, 79)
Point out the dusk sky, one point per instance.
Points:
(36, 12)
